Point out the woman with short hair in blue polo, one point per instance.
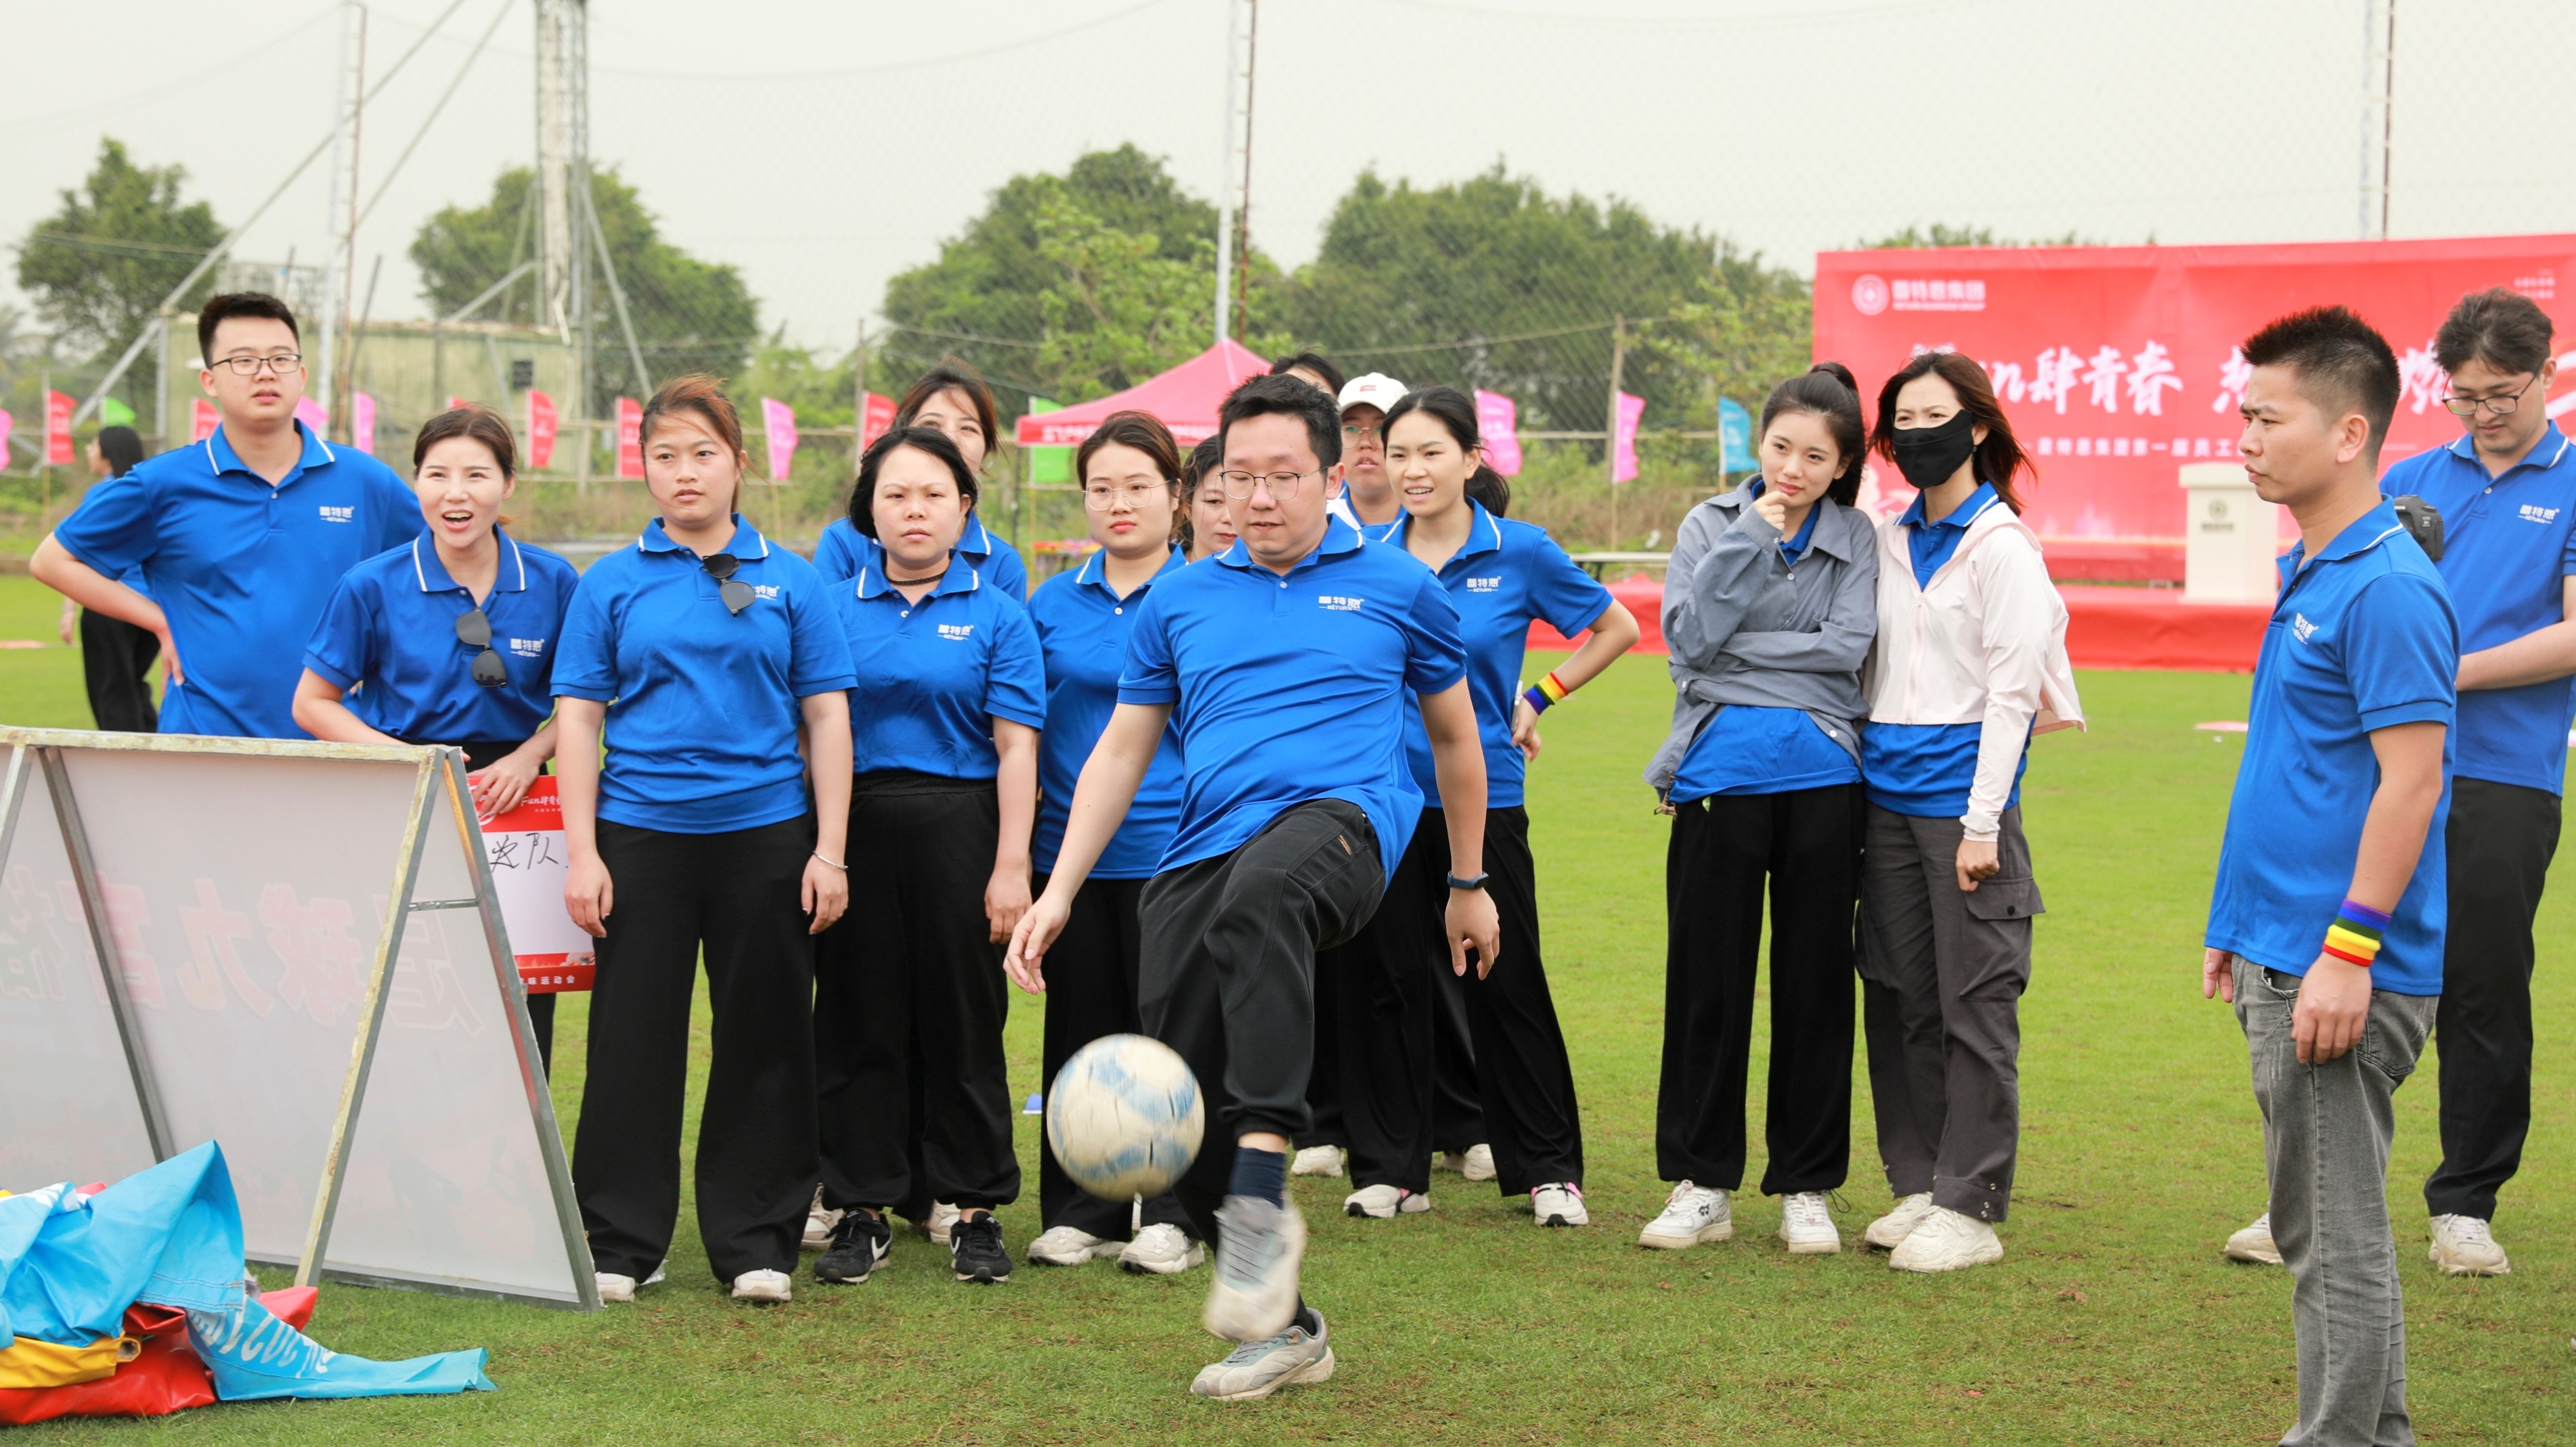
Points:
(1131, 494)
(704, 653)
(1503, 576)
(945, 749)
(953, 400)
(452, 635)
(1770, 602)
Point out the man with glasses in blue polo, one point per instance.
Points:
(242, 537)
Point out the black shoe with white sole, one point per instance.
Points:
(975, 1250)
(859, 1244)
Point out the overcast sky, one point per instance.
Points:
(825, 146)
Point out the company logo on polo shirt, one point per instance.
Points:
(332, 514)
(1483, 585)
(2533, 513)
(2300, 625)
(958, 631)
(764, 590)
(1340, 603)
(528, 647)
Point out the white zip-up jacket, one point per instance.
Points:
(1985, 643)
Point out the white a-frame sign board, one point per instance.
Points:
(293, 949)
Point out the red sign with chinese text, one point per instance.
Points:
(2119, 364)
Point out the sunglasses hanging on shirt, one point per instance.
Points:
(720, 566)
(474, 630)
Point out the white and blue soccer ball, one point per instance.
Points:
(1125, 1117)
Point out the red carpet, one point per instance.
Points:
(2106, 627)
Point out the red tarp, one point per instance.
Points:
(1186, 398)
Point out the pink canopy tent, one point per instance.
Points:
(1186, 398)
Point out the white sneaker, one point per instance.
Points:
(1692, 1214)
(1476, 1162)
(1070, 1246)
(1947, 1240)
(2254, 1243)
(1258, 1368)
(761, 1286)
(1889, 1231)
(614, 1287)
(1318, 1161)
(819, 1221)
(1259, 1247)
(1385, 1202)
(2466, 1246)
(1807, 1225)
(942, 1216)
(1558, 1203)
(1161, 1250)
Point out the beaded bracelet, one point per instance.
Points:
(1541, 695)
(2354, 936)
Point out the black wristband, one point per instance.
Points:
(1476, 883)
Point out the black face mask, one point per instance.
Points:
(1929, 455)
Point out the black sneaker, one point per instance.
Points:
(858, 1245)
(975, 1250)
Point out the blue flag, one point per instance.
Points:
(1735, 436)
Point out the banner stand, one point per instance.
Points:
(438, 786)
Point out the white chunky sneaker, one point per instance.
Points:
(1070, 1246)
(1558, 1203)
(1258, 1368)
(1259, 1246)
(2466, 1246)
(819, 1221)
(1318, 1161)
(614, 1287)
(1807, 1224)
(1948, 1240)
(1476, 1162)
(1692, 1214)
(942, 1216)
(761, 1286)
(1889, 1231)
(1161, 1250)
(1385, 1202)
(2254, 1243)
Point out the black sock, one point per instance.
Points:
(1307, 1317)
(1263, 1174)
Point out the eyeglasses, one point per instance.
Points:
(284, 364)
(1103, 497)
(1282, 485)
(2497, 406)
(1352, 431)
(720, 566)
(474, 630)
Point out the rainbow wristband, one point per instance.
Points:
(2354, 936)
(1545, 693)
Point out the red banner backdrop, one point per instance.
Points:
(2118, 364)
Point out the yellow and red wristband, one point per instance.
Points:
(1545, 693)
(2354, 936)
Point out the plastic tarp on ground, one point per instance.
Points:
(1186, 398)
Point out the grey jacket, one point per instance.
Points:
(1744, 627)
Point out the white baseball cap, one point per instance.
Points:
(1377, 389)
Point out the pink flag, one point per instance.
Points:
(310, 413)
(780, 420)
(203, 419)
(630, 438)
(58, 428)
(878, 418)
(362, 421)
(6, 422)
(541, 430)
(1632, 410)
(1496, 418)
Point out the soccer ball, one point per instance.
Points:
(1125, 1117)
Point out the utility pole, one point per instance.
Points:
(1243, 206)
(554, 184)
(1610, 434)
(1228, 209)
(344, 181)
(2378, 97)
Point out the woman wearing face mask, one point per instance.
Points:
(1502, 575)
(1970, 661)
(1209, 528)
(1770, 603)
(1131, 493)
(703, 652)
(452, 634)
(952, 400)
(945, 744)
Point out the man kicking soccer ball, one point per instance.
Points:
(1285, 660)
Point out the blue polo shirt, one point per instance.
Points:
(391, 626)
(2508, 548)
(1083, 626)
(702, 703)
(935, 674)
(242, 569)
(1292, 689)
(2362, 639)
(842, 550)
(1505, 575)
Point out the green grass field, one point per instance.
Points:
(2112, 1318)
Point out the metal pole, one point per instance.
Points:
(1610, 435)
(1243, 205)
(2387, 116)
(161, 385)
(1224, 172)
(102, 940)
